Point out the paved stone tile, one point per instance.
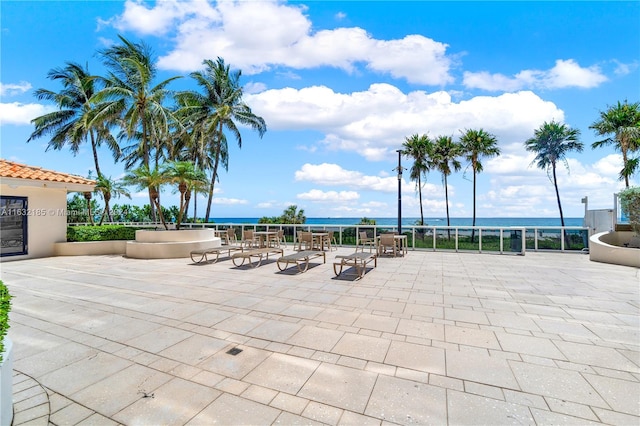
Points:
(362, 347)
(82, 373)
(403, 401)
(194, 349)
(481, 368)
(316, 338)
(471, 337)
(426, 330)
(596, 356)
(529, 345)
(621, 395)
(556, 383)
(322, 413)
(416, 357)
(339, 386)
(175, 402)
(468, 409)
(234, 410)
(543, 417)
(273, 330)
(234, 366)
(159, 339)
(121, 389)
(282, 372)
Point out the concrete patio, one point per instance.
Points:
(431, 338)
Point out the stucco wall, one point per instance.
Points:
(46, 221)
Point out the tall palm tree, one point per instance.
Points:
(75, 121)
(217, 110)
(623, 122)
(130, 90)
(151, 180)
(444, 158)
(108, 188)
(476, 144)
(418, 148)
(551, 143)
(185, 174)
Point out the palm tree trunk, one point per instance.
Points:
(624, 162)
(95, 153)
(420, 196)
(473, 231)
(446, 200)
(555, 183)
(212, 183)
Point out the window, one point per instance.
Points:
(13, 225)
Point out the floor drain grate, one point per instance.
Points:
(234, 351)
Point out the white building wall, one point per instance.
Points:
(46, 221)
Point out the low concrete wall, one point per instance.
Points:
(88, 248)
(167, 250)
(607, 247)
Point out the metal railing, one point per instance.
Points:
(481, 239)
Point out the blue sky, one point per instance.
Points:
(342, 84)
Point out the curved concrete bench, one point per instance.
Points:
(170, 244)
(603, 247)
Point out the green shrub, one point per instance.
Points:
(101, 233)
(5, 307)
(630, 203)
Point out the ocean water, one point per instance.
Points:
(527, 222)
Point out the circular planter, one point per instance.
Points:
(6, 382)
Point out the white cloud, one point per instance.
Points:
(624, 69)
(374, 123)
(565, 73)
(228, 201)
(257, 36)
(14, 89)
(316, 195)
(21, 114)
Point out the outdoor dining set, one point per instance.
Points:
(256, 246)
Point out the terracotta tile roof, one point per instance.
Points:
(10, 169)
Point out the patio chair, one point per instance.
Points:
(231, 236)
(281, 238)
(364, 239)
(305, 238)
(387, 245)
(332, 240)
(248, 239)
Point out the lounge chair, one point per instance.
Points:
(301, 259)
(357, 260)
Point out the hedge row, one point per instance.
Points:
(101, 233)
(5, 307)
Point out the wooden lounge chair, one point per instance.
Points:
(357, 260)
(205, 252)
(301, 259)
(258, 253)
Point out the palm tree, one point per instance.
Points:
(292, 215)
(108, 188)
(130, 91)
(623, 122)
(151, 180)
(216, 110)
(444, 158)
(476, 144)
(551, 143)
(185, 174)
(418, 148)
(75, 121)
